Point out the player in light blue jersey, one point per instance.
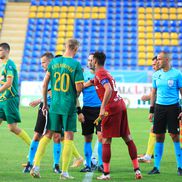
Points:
(87, 116)
(166, 85)
(40, 126)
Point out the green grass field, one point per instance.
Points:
(13, 153)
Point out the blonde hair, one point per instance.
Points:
(72, 44)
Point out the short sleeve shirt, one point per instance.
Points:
(64, 74)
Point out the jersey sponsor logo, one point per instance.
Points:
(170, 83)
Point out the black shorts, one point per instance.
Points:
(90, 114)
(41, 121)
(166, 117)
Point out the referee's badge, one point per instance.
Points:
(170, 83)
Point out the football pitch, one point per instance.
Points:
(13, 153)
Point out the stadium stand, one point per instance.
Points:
(2, 9)
(131, 32)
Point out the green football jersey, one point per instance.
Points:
(9, 69)
(64, 73)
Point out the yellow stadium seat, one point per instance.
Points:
(157, 35)
(70, 21)
(172, 10)
(40, 15)
(40, 8)
(149, 41)
(79, 9)
(149, 61)
(149, 16)
(179, 10)
(71, 9)
(158, 42)
(141, 48)
(157, 10)
(174, 42)
(149, 35)
(102, 16)
(173, 17)
(150, 49)
(64, 9)
(62, 27)
(164, 10)
(102, 10)
(48, 9)
(141, 35)
(71, 15)
(150, 55)
(179, 17)
(174, 36)
(141, 62)
(48, 15)
(59, 47)
(149, 10)
(32, 15)
(149, 22)
(141, 29)
(33, 8)
(164, 16)
(94, 15)
(0, 26)
(69, 34)
(141, 10)
(55, 15)
(59, 52)
(60, 40)
(166, 42)
(61, 34)
(70, 28)
(149, 29)
(56, 9)
(86, 15)
(78, 15)
(1, 20)
(141, 16)
(62, 21)
(141, 55)
(165, 35)
(87, 9)
(141, 42)
(141, 23)
(157, 16)
(64, 15)
(95, 9)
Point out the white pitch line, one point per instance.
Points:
(88, 176)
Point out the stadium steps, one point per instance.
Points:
(14, 29)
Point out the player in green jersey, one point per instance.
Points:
(66, 78)
(9, 97)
